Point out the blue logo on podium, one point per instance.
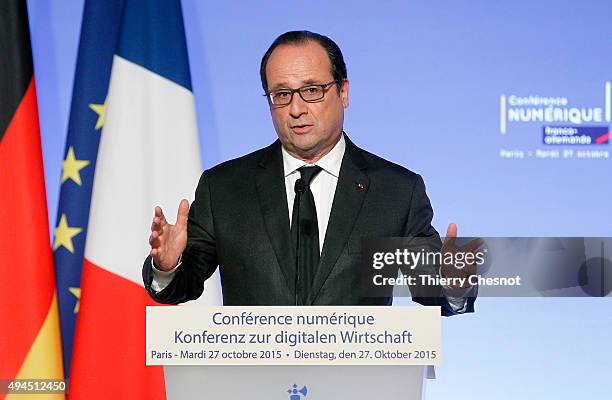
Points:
(297, 394)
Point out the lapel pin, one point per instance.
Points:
(360, 186)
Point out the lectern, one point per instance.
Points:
(346, 382)
(297, 353)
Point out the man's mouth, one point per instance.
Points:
(301, 128)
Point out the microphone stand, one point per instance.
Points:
(300, 188)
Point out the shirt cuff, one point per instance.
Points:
(161, 279)
(457, 297)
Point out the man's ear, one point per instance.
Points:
(344, 93)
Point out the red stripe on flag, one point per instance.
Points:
(26, 263)
(109, 347)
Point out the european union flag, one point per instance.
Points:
(98, 43)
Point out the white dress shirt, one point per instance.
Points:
(323, 185)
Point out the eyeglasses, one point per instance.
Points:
(308, 93)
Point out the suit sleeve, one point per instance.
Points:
(418, 226)
(199, 260)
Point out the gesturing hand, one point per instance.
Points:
(168, 241)
(450, 270)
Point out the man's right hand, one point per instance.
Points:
(168, 241)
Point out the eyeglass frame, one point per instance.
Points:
(323, 86)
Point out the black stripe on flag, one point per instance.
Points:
(16, 68)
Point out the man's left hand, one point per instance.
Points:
(452, 270)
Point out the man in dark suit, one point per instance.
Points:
(337, 193)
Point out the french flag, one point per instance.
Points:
(148, 155)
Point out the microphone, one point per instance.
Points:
(300, 189)
(300, 186)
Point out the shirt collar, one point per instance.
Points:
(330, 162)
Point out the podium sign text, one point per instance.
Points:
(327, 335)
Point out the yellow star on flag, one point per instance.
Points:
(72, 167)
(77, 293)
(64, 235)
(99, 109)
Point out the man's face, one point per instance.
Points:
(307, 130)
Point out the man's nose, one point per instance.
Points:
(297, 107)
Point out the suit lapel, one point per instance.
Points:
(270, 182)
(353, 185)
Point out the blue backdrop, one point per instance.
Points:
(455, 90)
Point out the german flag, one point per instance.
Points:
(30, 345)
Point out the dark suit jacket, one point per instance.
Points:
(239, 221)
